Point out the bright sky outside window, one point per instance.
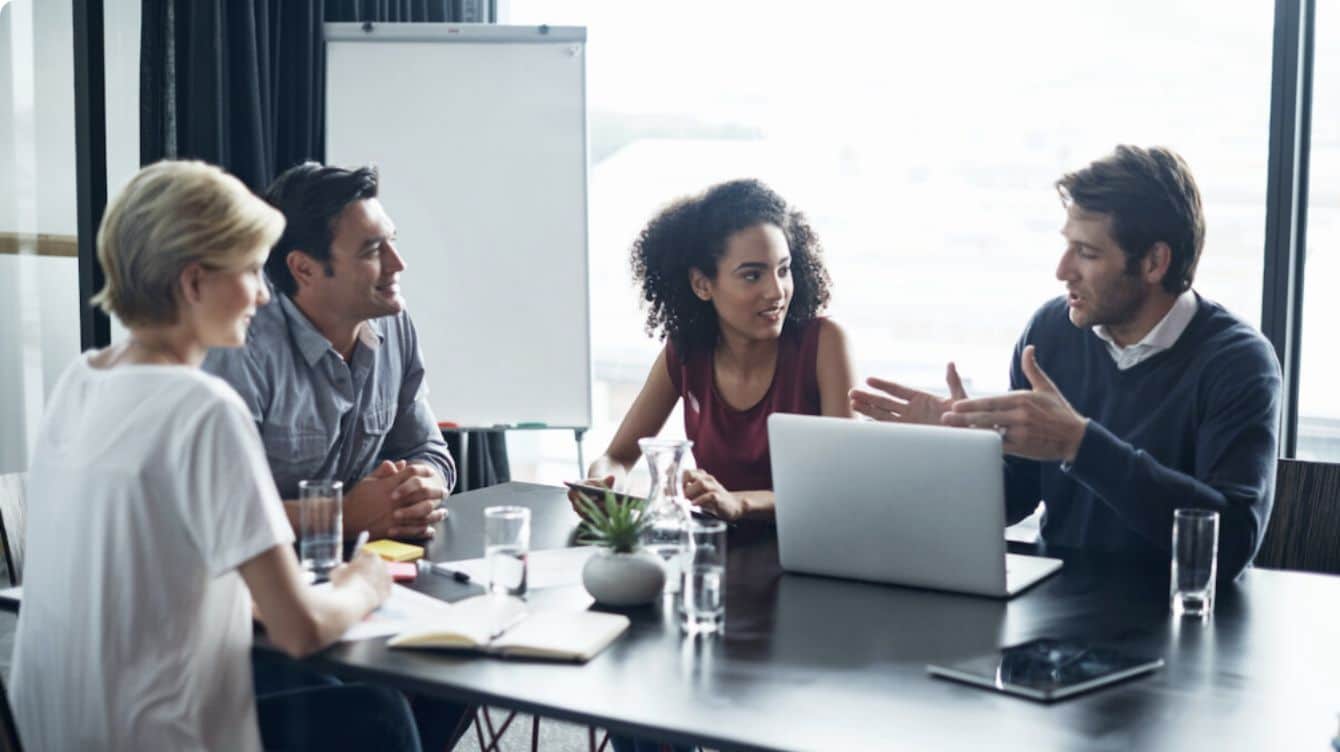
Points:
(923, 143)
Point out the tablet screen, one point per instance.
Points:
(1048, 668)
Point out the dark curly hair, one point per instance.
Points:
(692, 232)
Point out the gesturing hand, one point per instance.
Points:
(905, 405)
(1037, 424)
(706, 492)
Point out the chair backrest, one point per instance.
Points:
(9, 730)
(13, 515)
(1304, 531)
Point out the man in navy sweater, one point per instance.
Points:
(1132, 395)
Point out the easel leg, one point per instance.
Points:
(463, 463)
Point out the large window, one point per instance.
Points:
(39, 282)
(39, 331)
(1319, 387)
(922, 141)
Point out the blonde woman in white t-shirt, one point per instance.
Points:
(153, 520)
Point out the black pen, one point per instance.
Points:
(454, 574)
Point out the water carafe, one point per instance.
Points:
(669, 510)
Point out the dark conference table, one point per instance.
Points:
(817, 663)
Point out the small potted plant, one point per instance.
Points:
(621, 573)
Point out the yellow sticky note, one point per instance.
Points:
(394, 550)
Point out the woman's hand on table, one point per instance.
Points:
(706, 492)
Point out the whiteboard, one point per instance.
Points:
(479, 132)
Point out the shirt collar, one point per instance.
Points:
(1165, 333)
(371, 336)
(312, 343)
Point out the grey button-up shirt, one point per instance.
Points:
(321, 417)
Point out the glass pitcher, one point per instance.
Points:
(669, 510)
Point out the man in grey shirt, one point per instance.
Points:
(332, 370)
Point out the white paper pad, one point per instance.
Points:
(402, 608)
(560, 567)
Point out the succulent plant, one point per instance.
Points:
(616, 524)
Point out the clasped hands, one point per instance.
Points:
(396, 500)
(1037, 424)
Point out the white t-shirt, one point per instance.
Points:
(148, 488)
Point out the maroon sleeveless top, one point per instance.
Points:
(732, 444)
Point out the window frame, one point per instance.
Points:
(1286, 201)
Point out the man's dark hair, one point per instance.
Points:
(1151, 197)
(692, 233)
(311, 197)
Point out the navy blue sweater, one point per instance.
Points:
(1193, 426)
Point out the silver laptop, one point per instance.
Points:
(909, 505)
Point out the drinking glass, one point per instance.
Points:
(321, 525)
(1195, 561)
(506, 546)
(703, 591)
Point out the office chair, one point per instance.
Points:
(1304, 530)
(9, 730)
(13, 509)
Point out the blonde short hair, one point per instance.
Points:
(170, 215)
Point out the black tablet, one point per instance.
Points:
(597, 494)
(1048, 669)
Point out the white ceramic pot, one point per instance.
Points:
(623, 579)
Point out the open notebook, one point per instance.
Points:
(503, 626)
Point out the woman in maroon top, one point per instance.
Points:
(734, 282)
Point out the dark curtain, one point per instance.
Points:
(391, 11)
(235, 82)
(486, 458)
(241, 84)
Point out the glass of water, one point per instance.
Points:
(321, 523)
(506, 544)
(704, 588)
(1195, 561)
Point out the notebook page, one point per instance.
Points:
(472, 622)
(572, 635)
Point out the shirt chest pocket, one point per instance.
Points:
(302, 449)
(374, 424)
